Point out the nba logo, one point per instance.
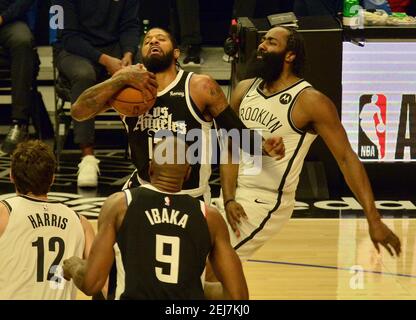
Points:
(167, 201)
(372, 128)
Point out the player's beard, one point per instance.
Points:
(266, 65)
(160, 63)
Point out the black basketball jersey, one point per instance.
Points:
(162, 246)
(175, 111)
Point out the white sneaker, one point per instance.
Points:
(227, 58)
(88, 172)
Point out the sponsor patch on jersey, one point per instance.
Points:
(285, 98)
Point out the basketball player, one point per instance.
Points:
(185, 101)
(164, 239)
(37, 234)
(257, 206)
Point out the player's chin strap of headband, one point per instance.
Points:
(250, 140)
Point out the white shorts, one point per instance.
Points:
(266, 213)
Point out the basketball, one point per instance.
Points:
(130, 102)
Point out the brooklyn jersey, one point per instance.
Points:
(38, 237)
(174, 111)
(163, 244)
(273, 115)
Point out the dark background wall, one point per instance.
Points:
(215, 16)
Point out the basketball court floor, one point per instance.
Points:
(331, 259)
(322, 253)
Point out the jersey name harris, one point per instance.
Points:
(261, 116)
(47, 220)
(166, 216)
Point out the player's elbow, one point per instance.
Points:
(92, 288)
(77, 112)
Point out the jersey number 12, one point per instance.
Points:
(39, 244)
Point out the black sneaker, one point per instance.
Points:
(17, 134)
(193, 56)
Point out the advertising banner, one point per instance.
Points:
(379, 100)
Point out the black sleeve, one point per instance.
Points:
(16, 10)
(72, 39)
(250, 141)
(130, 27)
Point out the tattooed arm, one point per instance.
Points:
(94, 100)
(208, 96)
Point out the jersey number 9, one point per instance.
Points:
(172, 259)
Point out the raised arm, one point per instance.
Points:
(90, 275)
(318, 111)
(224, 260)
(95, 99)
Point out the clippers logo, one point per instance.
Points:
(372, 129)
(285, 98)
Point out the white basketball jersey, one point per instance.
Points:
(38, 237)
(272, 114)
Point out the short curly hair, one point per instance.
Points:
(33, 165)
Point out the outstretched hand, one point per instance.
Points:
(381, 234)
(274, 147)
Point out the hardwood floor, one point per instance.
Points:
(330, 259)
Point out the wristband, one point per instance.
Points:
(226, 202)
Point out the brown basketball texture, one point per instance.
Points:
(130, 102)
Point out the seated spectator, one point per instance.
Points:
(17, 41)
(189, 22)
(98, 39)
